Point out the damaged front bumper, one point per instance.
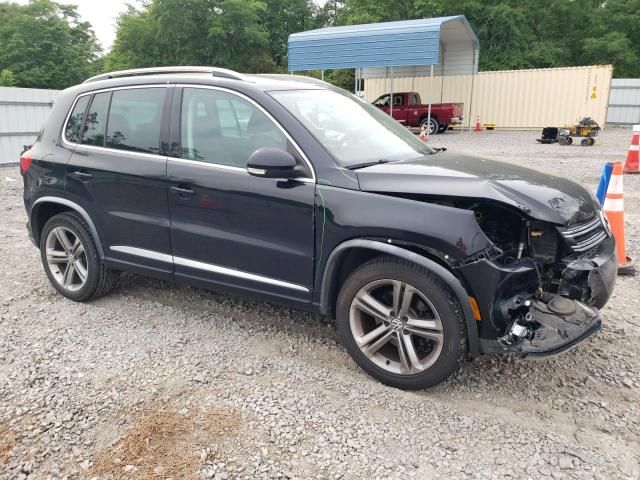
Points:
(517, 315)
(550, 325)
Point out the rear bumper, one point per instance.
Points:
(456, 120)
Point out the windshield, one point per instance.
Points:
(352, 130)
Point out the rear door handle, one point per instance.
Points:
(182, 191)
(83, 176)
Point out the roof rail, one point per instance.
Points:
(216, 72)
(294, 78)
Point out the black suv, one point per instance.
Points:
(288, 189)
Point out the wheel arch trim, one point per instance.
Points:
(77, 208)
(452, 282)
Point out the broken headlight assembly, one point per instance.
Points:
(548, 324)
(543, 241)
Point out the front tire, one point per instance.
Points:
(71, 261)
(401, 323)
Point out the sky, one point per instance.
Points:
(102, 15)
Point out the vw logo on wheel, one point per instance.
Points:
(396, 324)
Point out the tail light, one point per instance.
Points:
(25, 162)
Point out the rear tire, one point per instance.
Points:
(401, 323)
(432, 125)
(71, 261)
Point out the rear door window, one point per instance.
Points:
(74, 124)
(135, 118)
(96, 121)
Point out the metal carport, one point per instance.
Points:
(444, 45)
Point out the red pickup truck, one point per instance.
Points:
(411, 112)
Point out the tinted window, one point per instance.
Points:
(134, 119)
(74, 124)
(96, 122)
(222, 128)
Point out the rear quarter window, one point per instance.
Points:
(76, 119)
(96, 121)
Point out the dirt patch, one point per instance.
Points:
(164, 443)
(8, 440)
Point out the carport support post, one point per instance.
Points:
(355, 88)
(473, 77)
(429, 93)
(391, 95)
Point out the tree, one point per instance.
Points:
(7, 79)
(225, 33)
(46, 45)
(284, 17)
(236, 37)
(535, 34)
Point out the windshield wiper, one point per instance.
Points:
(366, 164)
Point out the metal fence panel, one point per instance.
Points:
(515, 99)
(23, 111)
(624, 102)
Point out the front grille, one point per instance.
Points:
(585, 236)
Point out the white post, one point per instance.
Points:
(391, 95)
(355, 82)
(322, 75)
(429, 93)
(473, 77)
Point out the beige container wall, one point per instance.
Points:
(515, 99)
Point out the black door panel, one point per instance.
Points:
(262, 229)
(116, 169)
(128, 197)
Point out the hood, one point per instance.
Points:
(454, 174)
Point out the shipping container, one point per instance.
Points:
(511, 99)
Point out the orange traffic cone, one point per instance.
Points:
(423, 133)
(614, 210)
(478, 125)
(633, 156)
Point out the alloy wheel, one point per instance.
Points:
(396, 326)
(66, 258)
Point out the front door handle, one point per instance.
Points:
(182, 191)
(82, 176)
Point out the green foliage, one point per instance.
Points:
(7, 79)
(46, 45)
(245, 35)
(535, 34)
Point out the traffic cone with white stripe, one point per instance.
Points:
(633, 156)
(423, 133)
(478, 124)
(614, 210)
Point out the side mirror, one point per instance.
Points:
(272, 163)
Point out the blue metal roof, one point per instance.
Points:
(389, 44)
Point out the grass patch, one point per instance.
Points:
(8, 440)
(165, 444)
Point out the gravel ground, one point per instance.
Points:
(158, 380)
